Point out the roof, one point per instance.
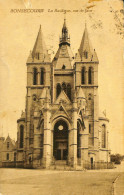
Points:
(80, 93)
(86, 53)
(64, 56)
(43, 93)
(40, 52)
(23, 115)
(22, 118)
(11, 140)
(102, 116)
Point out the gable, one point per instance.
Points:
(61, 112)
(62, 98)
(11, 143)
(64, 56)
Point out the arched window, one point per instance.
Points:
(90, 75)
(103, 136)
(7, 145)
(85, 54)
(83, 76)
(34, 97)
(38, 56)
(78, 140)
(21, 136)
(69, 91)
(58, 89)
(63, 67)
(64, 87)
(42, 76)
(90, 103)
(7, 156)
(89, 96)
(42, 138)
(89, 128)
(34, 76)
(14, 156)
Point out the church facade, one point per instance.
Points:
(61, 120)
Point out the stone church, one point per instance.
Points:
(61, 120)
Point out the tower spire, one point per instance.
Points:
(40, 51)
(85, 43)
(64, 38)
(86, 52)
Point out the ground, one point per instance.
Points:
(45, 182)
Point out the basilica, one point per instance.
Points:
(61, 122)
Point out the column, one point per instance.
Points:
(74, 131)
(84, 143)
(86, 75)
(38, 76)
(47, 156)
(37, 144)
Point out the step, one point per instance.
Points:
(60, 162)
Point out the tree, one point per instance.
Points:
(117, 158)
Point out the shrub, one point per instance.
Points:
(116, 158)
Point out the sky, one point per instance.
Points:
(18, 33)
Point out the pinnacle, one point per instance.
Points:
(64, 25)
(81, 93)
(64, 38)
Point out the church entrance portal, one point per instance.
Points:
(60, 140)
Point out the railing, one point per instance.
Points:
(98, 165)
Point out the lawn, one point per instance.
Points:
(41, 182)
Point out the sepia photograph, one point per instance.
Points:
(62, 97)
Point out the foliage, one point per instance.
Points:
(117, 158)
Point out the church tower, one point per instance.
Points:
(38, 87)
(86, 78)
(64, 96)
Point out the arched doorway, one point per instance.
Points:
(91, 160)
(60, 140)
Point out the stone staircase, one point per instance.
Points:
(62, 165)
(59, 165)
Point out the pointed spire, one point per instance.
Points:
(43, 94)
(40, 52)
(86, 52)
(80, 93)
(47, 94)
(64, 25)
(64, 57)
(64, 38)
(47, 99)
(85, 45)
(8, 136)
